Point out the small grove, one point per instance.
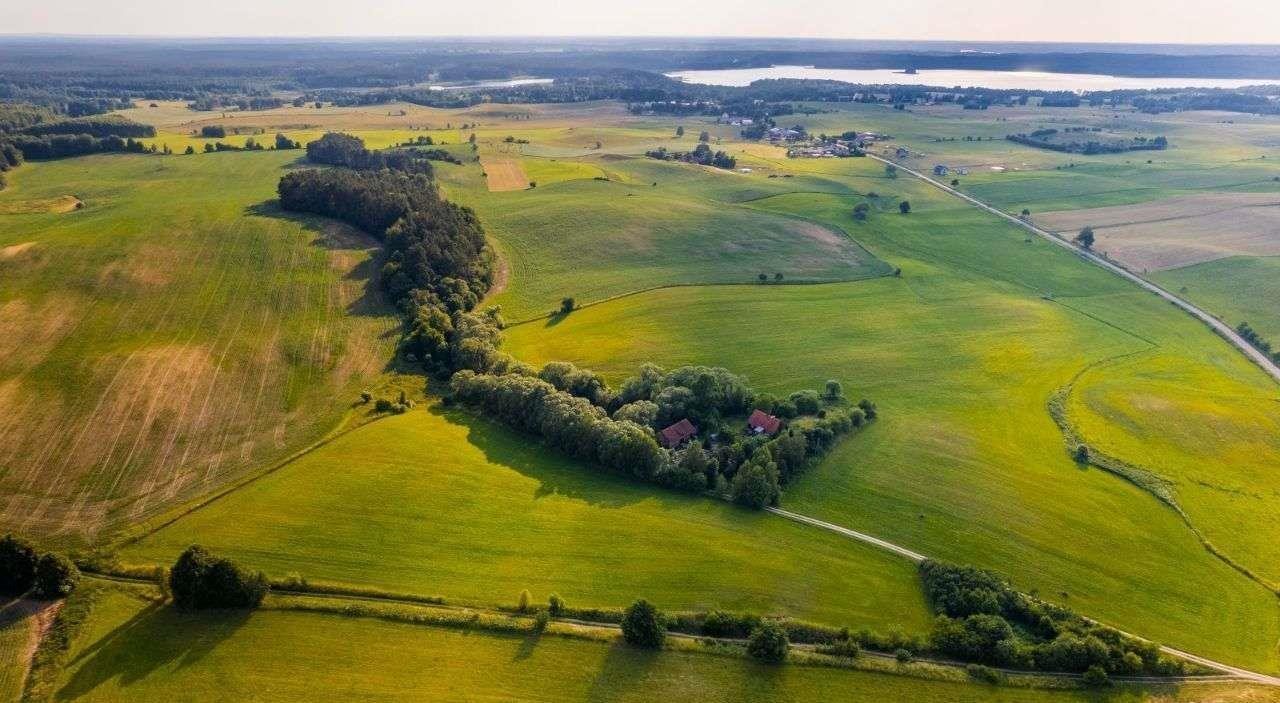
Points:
(574, 411)
(25, 571)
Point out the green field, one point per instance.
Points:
(441, 504)
(1238, 289)
(962, 354)
(173, 332)
(130, 649)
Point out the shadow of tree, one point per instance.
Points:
(557, 474)
(624, 669)
(156, 637)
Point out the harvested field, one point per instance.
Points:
(504, 174)
(14, 250)
(1175, 232)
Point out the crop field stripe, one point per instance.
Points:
(1223, 330)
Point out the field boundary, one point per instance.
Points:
(1219, 327)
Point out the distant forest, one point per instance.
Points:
(79, 77)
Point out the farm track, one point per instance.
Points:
(1236, 672)
(1226, 677)
(1221, 328)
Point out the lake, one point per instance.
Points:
(493, 84)
(1009, 80)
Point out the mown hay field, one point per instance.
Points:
(172, 333)
(443, 504)
(504, 174)
(963, 354)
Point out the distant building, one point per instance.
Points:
(677, 434)
(761, 422)
(940, 170)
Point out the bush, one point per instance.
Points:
(768, 643)
(566, 305)
(903, 655)
(643, 625)
(756, 483)
(842, 648)
(383, 405)
(982, 673)
(55, 577)
(555, 605)
(523, 604)
(1096, 676)
(199, 580)
(904, 207)
(540, 621)
(17, 566)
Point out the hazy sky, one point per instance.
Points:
(1138, 21)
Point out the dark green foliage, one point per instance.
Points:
(1096, 676)
(643, 625)
(903, 655)
(1086, 238)
(57, 146)
(56, 577)
(756, 483)
(566, 305)
(575, 381)
(18, 561)
(833, 391)
(199, 580)
(806, 402)
(984, 674)
(972, 639)
(97, 127)
(283, 142)
(769, 643)
(702, 154)
(555, 605)
(904, 207)
(213, 131)
(337, 149)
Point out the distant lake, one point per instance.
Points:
(493, 84)
(1008, 80)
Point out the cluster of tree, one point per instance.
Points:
(24, 570)
(99, 127)
(213, 131)
(983, 619)
(701, 154)
(200, 580)
(437, 266)
(1043, 139)
(1222, 100)
(338, 149)
(1244, 329)
(240, 102)
(56, 146)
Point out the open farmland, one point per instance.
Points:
(964, 353)
(1239, 288)
(129, 649)
(504, 174)
(170, 334)
(442, 504)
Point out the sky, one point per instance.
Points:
(1128, 21)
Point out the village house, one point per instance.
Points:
(675, 435)
(761, 422)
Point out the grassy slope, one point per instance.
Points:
(442, 504)
(131, 650)
(169, 334)
(962, 353)
(590, 239)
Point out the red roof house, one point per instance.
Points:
(762, 422)
(677, 434)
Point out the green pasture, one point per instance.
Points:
(963, 353)
(174, 331)
(1237, 289)
(444, 504)
(132, 649)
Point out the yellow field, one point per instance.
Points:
(504, 174)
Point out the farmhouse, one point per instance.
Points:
(677, 434)
(761, 422)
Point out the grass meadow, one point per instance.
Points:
(131, 649)
(173, 332)
(1238, 289)
(962, 353)
(443, 504)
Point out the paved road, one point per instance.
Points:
(1224, 330)
(1238, 673)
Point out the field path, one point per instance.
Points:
(1223, 329)
(1237, 672)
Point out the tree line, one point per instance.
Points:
(983, 619)
(338, 149)
(25, 571)
(38, 139)
(437, 264)
(701, 154)
(1250, 335)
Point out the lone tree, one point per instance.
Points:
(777, 277)
(17, 566)
(566, 305)
(860, 211)
(763, 277)
(769, 643)
(891, 171)
(704, 136)
(56, 577)
(680, 131)
(834, 391)
(643, 625)
(1085, 238)
(904, 207)
(1026, 212)
(200, 580)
